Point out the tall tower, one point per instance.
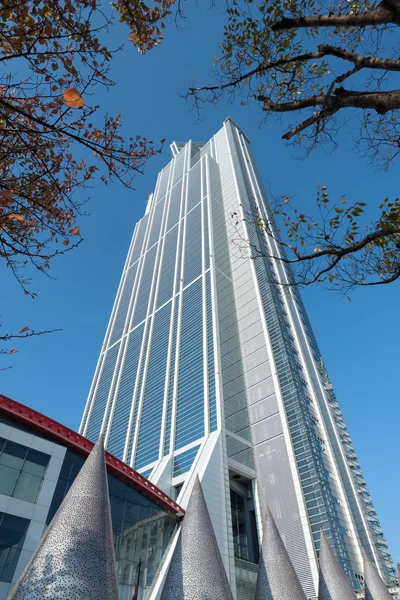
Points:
(209, 367)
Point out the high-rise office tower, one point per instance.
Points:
(210, 367)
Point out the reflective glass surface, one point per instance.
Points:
(21, 470)
(12, 536)
(184, 461)
(190, 404)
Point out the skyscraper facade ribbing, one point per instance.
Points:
(209, 367)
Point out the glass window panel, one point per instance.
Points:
(143, 292)
(8, 479)
(13, 455)
(131, 514)
(194, 191)
(138, 244)
(36, 463)
(153, 399)
(101, 396)
(12, 536)
(123, 306)
(166, 285)
(193, 249)
(156, 223)
(184, 461)
(27, 487)
(124, 398)
(174, 206)
(117, 514)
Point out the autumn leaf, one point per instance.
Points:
(24, 329)
(73, 99)
(13, 351)
(16, 217)
(75, 231)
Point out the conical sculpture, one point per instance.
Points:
(277, 579)
(75, 559)
(333, 583)
(375, 589)
(196, 571)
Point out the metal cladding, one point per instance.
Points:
(196, 571)
(277, 579)
(375, 589)
(75, 560)
(333, 583)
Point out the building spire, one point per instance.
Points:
(75, 557)
(196, 571)
(375, 589)
(333, 583)
(277, 579)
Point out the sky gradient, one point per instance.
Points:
(358, 339)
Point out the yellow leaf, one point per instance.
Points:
(73, 99)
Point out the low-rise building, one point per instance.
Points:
(39, 460)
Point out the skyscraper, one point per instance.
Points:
(209, 367)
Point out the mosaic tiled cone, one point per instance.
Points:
(375, 589)
(196, 571)
(333, 583)
(277, 579)
(75, 559)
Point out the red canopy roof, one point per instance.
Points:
(67, 437)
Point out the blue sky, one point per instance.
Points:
(358, 339)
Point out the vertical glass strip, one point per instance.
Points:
(143, 292)
(190, 401)
(131, 433)
(166, 284)
(153, 395)
(124, 398)
(171, 383)
(103, 390)
(210, 353)
(174, 206)
(137, 249)
(122, 310)
(193, 262)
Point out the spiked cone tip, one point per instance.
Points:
(375, 589)
(333, 583)
(277, 579)
(75, 559)
(196, 571)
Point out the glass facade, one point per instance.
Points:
(210, 364)
(21, 470)
(156, 376)
(142, 529)
(12, 536)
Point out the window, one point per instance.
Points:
(184, 461)
(178, 489)
(12, 536)
(21, 470)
